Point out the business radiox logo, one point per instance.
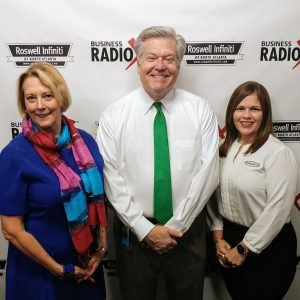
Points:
(213, 53)
(23, 55)
(113, 51)
(16, 128)
(279, 51)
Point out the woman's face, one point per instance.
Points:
(41, 105)
(247, 118)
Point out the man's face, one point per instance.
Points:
(158, 67)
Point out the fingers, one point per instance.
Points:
(162, 239)
(89, 278)
(222, 247)
(174, 233)
(223, 264)
(84, 274)
(227, 246)
(162, 249)
(94, 267)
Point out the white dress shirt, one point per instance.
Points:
(125, 138)
(256, 190)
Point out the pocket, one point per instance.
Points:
(187, 155)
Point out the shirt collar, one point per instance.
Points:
(147, 101)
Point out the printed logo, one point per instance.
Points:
(252, 164)
(297, 202)
(278, 51)
(213, 53)
(287, 131)
(16, 128)
(23, 55)
(222, 132)
(2, 267)
(113, 51)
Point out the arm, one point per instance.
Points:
(13, 231)
(115, 186)
(205, 181)
(214, 218)
(281, 183)
(159, 238)
(95, 260)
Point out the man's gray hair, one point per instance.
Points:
(160, 32)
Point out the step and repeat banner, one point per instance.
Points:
(91, 42)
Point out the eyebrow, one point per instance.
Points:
(151, 53)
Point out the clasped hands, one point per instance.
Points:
(86, 273)
(228, 257)
(162, 239)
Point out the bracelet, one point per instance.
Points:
(68, 272)
(104, 250)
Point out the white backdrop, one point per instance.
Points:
(91, 42)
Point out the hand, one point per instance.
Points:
(234, 258)
(94, 262)
(162, 239)
(86, 274)
(222, 247)
(79, 274)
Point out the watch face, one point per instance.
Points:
(241, 249)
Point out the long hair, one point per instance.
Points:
(266, 127)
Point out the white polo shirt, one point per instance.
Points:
(256, 190)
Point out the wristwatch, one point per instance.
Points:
(242, 249)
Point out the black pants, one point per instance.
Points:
(140, 268)
(264, 276)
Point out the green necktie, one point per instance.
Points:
(163, 209)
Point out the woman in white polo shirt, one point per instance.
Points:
(250, 216)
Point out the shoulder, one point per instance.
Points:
(190, 100)
(88, 138)
(92, 146)
(187, 97)
(84, 134)
(274, 149)
(273, 144)
(122, 104)
(15, 152)
(18, 144)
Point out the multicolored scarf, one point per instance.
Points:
(82, 196)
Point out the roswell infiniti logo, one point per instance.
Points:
(223, 53)
(23, 55)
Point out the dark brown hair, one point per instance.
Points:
(266, 127)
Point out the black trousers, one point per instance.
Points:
(264, 276)
(183, 268)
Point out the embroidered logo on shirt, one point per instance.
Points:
(252, 164)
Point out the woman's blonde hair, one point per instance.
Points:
(50, 77)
